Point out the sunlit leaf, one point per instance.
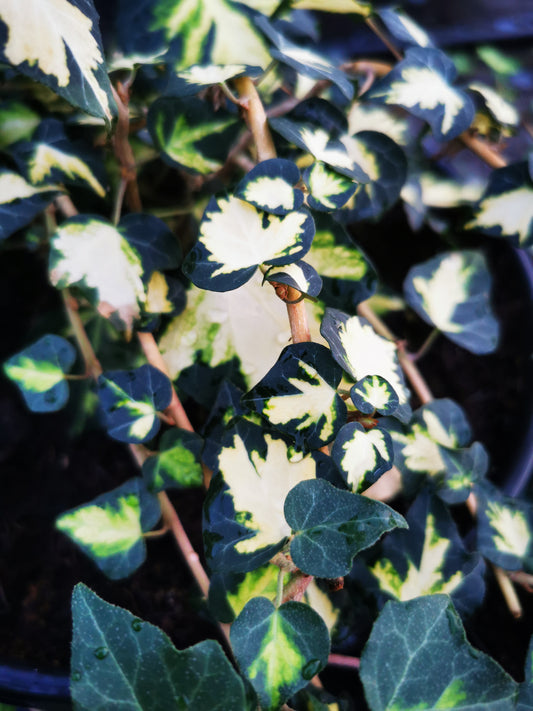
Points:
(109, 529)
(192, 80)
(298, 395)
(131, 399)
(279, 649)
(299, 275)
(18, 122)
(39, 372)
(362, 456)
(422, 84)
(235, 237)
(177, 463)
(331, 526)
(58, 42)
(452, 293)
(425, 638)
(269, 186)
(374, 393)
(403, 28)
(20, 201)
(121, 660)
(328, 190)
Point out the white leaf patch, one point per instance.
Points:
(316, 141)
(361, 455)
(502, 110)
(324, 183)
(39, 32)
(259, 488)
(512, 212)
(237, 239)
(14, 187)
(46, 157)
(512, 532)
(96, 255)
(270, 192)
(210, 74)
(421, 452)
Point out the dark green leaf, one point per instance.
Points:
(299, 275)
(525, 698)
(328, 190)
(20, 201)
(269, 186)
(374, 393)
(153, 241)
(362, 456)
(177, 464)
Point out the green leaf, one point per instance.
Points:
(190, 81)
(506, 209)
(269, 186)
(130, 400)
(279, 650)
(429, 558)
(39, 372)
(120, 661)
(452, 292)
(57, 42)
(190, 134)
(328, 190)
(422, 84)
(298, 395)
(331, 526)
(235, 237)
(109, 529)
(362, 456)
(177, 464)
(374, 393)
(299, 275)
(429, 664)
(20, 201)
(18, 122)
(361, 351)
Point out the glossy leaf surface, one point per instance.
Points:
(374, 393)
(328, 190)
(299, 275)
(362, 456)
(269, 186)
(177, 463)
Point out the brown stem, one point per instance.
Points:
(122, 148)
(508, 591)
(295, 590)
(482, 150)
(341, 660)
(92, 364)
(383, 37)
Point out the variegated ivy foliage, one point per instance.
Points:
(276, 499)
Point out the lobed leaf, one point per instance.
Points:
(269, 186)
(177, 463)
(362, 456)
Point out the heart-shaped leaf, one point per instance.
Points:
(177, 463)
(362, 456)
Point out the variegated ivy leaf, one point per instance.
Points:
(331, 526)
(452, 293)
(57, 42)
(429, 558)
(177, 463)
(361, 351)
(304, 60)
(299, 275)
(504, 529)
(269, 186)
(187, 82)
(362, 456)
(131, 399)
(434, 447)
(374, 393)
(343, 6)
(503, 112)
(386, 166)
(20, 201)
(440, 191)
(279, 649)
(422, 84)
(506, 209)
(348, 277)
(39, 372)
(242, 327)
(328, 190)
(235, 237)
(51, 158)
(403, 28)
(298, 395)
(109, 529)
(390, 120)
(244, 524)
(190, 134)
(18, 122)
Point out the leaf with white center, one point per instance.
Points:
(109, 529)
(235, 237)
(177, 463)
(403, 28)
(331, 526)
(362, 456)
(122, 662)
(452, 293)
(422, 84)
(429, 558)
(269, 186)
(190, 81)
(342, 6)
(361, 351)
(18, 122)
(299, 275)
(298, 395)
(442, 192)
(57, 42)
(328, 190)
(304, 60)
(279, 649)
(190, 134)
(244, 524)
(20, 201)
(130, 400)
(430, 665)
(506, 208)
(391, 121)
(347, 275)
(385, 163)
(243, 326)
(39, 372)
(501, 110)
(505, 529)
(374, 393)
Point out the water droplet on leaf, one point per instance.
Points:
(76, 675)
(311, 668)
(101, 652)
(137, 624)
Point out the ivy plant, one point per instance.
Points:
(196, 182)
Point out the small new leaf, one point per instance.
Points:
(269, 186)
(362, 456)
(177, 464)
